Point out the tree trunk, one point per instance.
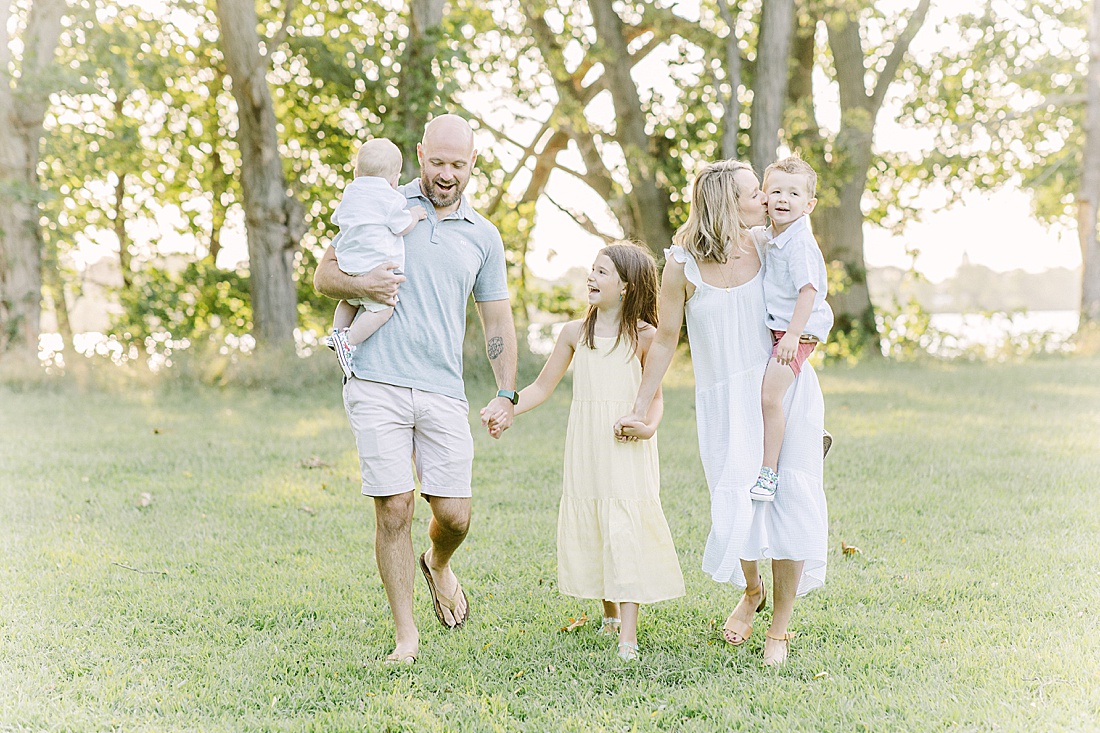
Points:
(273, 218)
(419, 86)
(1088, 198)
(839, 226)
(731, 105)
(22, 111)
(769, 94)
(120, 234)
(649, 202)
(839, 231)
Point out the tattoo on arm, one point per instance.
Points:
(495, 347)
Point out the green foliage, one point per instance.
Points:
(1004, 101)
(200, 302)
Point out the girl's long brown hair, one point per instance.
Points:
(714, 225)
(638, 271)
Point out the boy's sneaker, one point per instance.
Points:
(344, 351)
(826, 442)
(766, 485)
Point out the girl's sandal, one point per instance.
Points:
(740, 628)
(610, 626)
(628, 652)
(778, 660)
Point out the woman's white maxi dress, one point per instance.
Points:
(730, 348)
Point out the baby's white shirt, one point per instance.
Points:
(371, 215)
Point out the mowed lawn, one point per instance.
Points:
(242, 594)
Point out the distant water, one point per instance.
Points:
(963, 331)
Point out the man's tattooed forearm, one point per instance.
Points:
(495, 347)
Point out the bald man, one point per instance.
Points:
(406, 398)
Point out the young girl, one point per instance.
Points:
(613, 540)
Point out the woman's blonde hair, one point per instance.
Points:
(714, 225)
(638, 271)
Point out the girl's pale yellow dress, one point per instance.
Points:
(613, 540)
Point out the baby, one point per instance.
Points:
(373, 221)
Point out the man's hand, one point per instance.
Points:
(380, 284)
(787, 348)
(497, 416)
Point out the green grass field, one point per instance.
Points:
(244, 596)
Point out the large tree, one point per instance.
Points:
(1088, 194)
(845, 160)
(273, 217)
(25, 84)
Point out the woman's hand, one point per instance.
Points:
(630, 428)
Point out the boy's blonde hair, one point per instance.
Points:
(794, 166)
(714, 223)
(378, 157)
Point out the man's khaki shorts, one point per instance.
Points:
(397, 426)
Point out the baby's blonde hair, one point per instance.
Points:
(794, 166)
(714, 223)
(378, 157)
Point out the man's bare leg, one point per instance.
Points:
(448, 528)
(393, 550)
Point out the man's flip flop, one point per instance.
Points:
(396, 658)
(440, 601)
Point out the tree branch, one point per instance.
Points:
(897, 54)
(279, 38)
(582, 221)
(848, 58)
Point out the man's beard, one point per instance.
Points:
(440, 201)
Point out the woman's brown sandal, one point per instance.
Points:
(738, 627)
(778, 661)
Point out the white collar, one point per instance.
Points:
(801, 224)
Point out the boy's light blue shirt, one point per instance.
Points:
(793, 260)
(445, 261)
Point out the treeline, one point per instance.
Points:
(976, 288)
(224, 111)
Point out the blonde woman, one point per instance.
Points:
(713, 276)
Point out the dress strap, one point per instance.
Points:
(691, 267)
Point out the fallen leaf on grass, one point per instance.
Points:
(821, 676)
(307, 509)
(575, 623)
(313, 462)
(849, 549)
(144, 500)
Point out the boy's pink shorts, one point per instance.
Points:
(805, 348)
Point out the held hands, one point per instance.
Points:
(787, 348)
(630, 428)
(497, 416)
(418, 213)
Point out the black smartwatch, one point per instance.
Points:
(510, 394)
